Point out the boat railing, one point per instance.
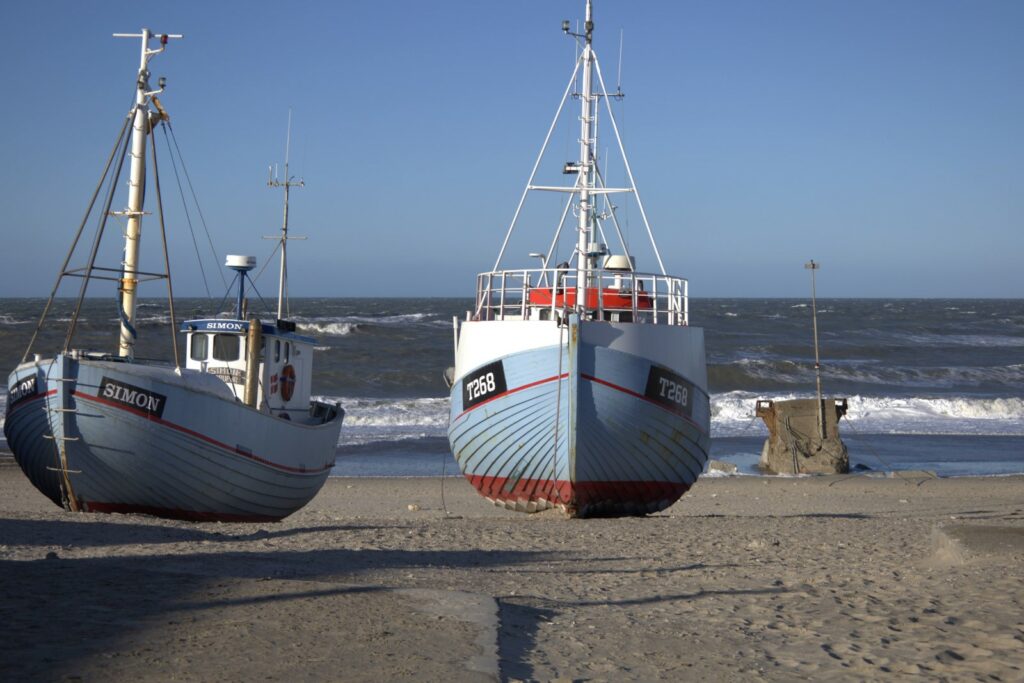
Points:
(612, 295)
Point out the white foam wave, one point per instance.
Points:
(335, 329)
(143, 320)
(9, 320)
(975, 340)
(873, 372)
(421, 412)
(732, 414)
(399, 319)
(369, 420)
(347, 324)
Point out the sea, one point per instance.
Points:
(932, 384)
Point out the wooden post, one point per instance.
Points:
(252, 361)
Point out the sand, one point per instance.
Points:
(825, 578)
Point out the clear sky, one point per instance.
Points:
(883, 139)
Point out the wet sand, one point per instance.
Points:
(830, 578)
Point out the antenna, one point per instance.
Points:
(618, 84)
(287, 184)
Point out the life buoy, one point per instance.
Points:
(287, 382)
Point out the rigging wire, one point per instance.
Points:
(112, 187)
(231, 287)
(188, 217)
(267, 261)
(167, 258)
(266, 306)
(199, 209)
(78, 236)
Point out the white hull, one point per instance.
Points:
(107, 436)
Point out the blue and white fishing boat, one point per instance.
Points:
(231, 436)
(581, 387)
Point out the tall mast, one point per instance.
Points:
(136, 190)
(287, 185)
(587, 163)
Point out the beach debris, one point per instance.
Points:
(803, 434)
(413, 507)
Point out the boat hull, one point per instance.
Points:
(107, 436)
(593, 417)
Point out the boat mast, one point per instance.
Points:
(136, 190)
(287, 184)
(584, 259)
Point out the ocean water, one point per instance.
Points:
(932, 384)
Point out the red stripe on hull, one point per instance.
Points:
(581, 499)
(511, 391)
(634, 394)
(210, 440)
(11, 409)
(170, 513)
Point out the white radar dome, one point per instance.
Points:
(241, 263)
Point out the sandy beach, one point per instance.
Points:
(746, 578)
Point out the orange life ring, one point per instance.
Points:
(287, 382)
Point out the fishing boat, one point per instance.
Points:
(581, 386)
(232, 435)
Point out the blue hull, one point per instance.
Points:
(580, 426)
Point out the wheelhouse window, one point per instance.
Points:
(225, 347)
(200, 347)
(277, 350)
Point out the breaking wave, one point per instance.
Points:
(755, 373)
(370, 420)
(344, 325)
(732, 414)
(335, 329)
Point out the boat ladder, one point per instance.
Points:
(67, 490)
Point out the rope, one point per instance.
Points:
(444, 475)
(558, 401)
(889, 467)
(558, 412)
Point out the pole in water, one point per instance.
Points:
(812, 266)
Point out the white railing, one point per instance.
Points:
(550, 293)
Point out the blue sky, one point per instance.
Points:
(883, 139)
